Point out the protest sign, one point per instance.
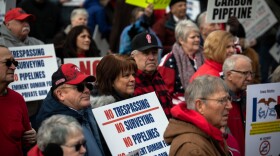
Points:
(33, 73)
(76, 3)
(264, 20)
(275, 52)
(218, 11)
(134, 124)
(193, 9)
(158, 4)
(262, 123)
(4, 7)
(86, 65)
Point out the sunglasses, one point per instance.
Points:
(77, 146)
(10, 62)
(81, 86)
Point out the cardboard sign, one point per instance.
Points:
(219, 11)
(158, 4)
(135, 124)
(34, 71)
(262, 123)
(6, 5)
(87, 65)
(264, 20)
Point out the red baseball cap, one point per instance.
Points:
(69, 74)
(18, 14)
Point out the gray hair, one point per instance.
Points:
(78, 11)
(184, 28)
(203, 87)
(201, 19)
(56, 129)
(230, 62)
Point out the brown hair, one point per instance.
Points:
(216, 44)
(109, 68)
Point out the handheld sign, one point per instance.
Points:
(264, 20)
(158, 4)
(134, 124)
(35, 68)
(219, 11)
(262, 122)
(86, 65)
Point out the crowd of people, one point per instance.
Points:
(199, 72)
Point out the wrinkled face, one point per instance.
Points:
(242, 75)
(19, 29)
(83, 41)
(73, 97)
(192, 43)
(75, 139)
(207, 28)
(6, 73)
(79, 20)
(147, 61)
(124, 84)
(230, 49)
(216, 108)
(179, 9)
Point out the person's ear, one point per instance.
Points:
(181, 41)
(199, 106)
(228, 75)
(59, 94)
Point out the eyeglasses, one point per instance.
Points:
(81, 86)
(77, 146)
(222, 101)
(245, 73)
(10, 62)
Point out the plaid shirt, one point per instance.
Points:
(146, 83)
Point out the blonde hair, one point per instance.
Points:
(216, 44)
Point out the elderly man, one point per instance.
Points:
(15, 126)
(205, 27)
(147, 78)
(165, 27)
(195, 129)
(238, 74)
(70, 95)
(14, 32)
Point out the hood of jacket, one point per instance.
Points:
(102, 100)
(190, 116)
(7, 34)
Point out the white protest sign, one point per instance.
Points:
(77, 3)
(275, 52)
(218, 11)
(86, 65)
(264, 20)
(193, 8)
(34, 71)
(262, 125)
(5, 5)
(134, 124)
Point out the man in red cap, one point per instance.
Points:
(70, 95)
(15, 29)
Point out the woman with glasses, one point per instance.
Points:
(59, 135)
(114, 79)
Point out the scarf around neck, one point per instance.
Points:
(185, 68)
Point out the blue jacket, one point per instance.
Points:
(97, 16)
(85, 117)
